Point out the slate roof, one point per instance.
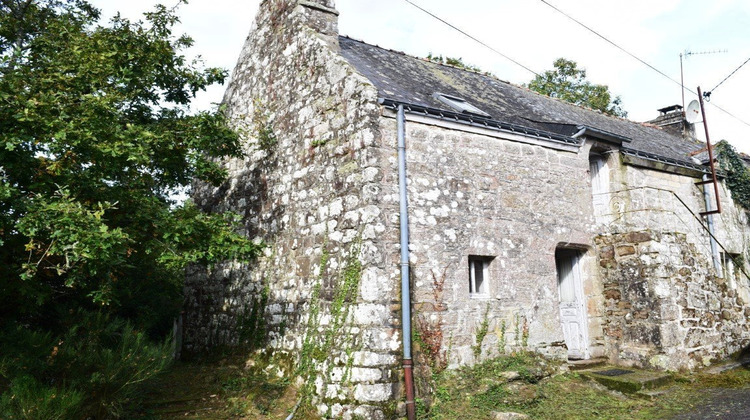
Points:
(410, 80)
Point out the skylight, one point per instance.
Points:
(459, 104)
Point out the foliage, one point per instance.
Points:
(502, 339)
(333, 344)
(96, 369)
(455, 62)
(482, 330)
(568, 83)
(737, 174)
(32, 400)
(96, 137)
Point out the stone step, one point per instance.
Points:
(628, 380)
(575, 365)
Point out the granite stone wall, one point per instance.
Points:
(319, 187)
(664, 306)
(310, 190)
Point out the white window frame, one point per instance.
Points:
(483, 289)
(729, 269)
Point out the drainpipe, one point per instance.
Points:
(710, 219)
(405, 293)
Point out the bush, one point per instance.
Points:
(29, 399)
(96, 369)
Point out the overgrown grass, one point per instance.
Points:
(542, 392)
(225, 388)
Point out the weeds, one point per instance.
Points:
(481, 333)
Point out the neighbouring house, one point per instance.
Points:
(532, 223)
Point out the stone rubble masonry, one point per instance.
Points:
(664, 307)
(315, 192)
(322, 190)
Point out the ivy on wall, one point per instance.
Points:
(737, 174)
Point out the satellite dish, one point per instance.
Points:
(693, 112)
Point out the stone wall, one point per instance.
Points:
(310, 189)
(664, 307)
(488, 195)
(319, 187)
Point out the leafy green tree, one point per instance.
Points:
(568, 82)
(96, 136)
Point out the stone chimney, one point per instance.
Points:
(672, 119)
(321, 15)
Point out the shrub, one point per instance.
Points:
(96, 368)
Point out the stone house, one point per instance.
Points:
(532, 223)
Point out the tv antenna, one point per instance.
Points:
(687, 54)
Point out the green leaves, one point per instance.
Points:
(96, 135)
(568, 83)
(737, 173)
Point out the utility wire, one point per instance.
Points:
(473, 38)
(610, 42)
(730, 75)
(647, 64)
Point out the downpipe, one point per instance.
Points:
(405, 291)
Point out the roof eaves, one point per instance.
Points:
(661, 159)
(602, 135)
(478, 121)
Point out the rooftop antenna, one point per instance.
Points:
(687, 54)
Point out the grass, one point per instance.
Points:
(474, 393)
(227, 389)
(224, 389)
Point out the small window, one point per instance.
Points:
(479, 275)
(460, 104)
(730, 268)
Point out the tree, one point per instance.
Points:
(568, 82)
(96, 135)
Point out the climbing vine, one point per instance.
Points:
(737, 174)
(482, 332)
(320, 343)
(263, 128)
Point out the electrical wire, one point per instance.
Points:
(730, 75)
(611, 42)
(473, 38)
(645, 63)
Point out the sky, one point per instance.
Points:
(713, 37)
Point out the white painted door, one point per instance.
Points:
(572, 308)
(599, 184)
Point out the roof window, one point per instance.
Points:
(459, 104)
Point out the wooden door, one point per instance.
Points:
(572, 307)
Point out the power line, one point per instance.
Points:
(611, 42)
(644, 62)
(730, 75)
(473, 38)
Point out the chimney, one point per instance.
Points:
(672, 119)
(321, 15)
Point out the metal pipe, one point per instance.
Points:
(710, 157)
(710, 219)
(405, 292)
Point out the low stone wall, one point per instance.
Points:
(663, 306)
